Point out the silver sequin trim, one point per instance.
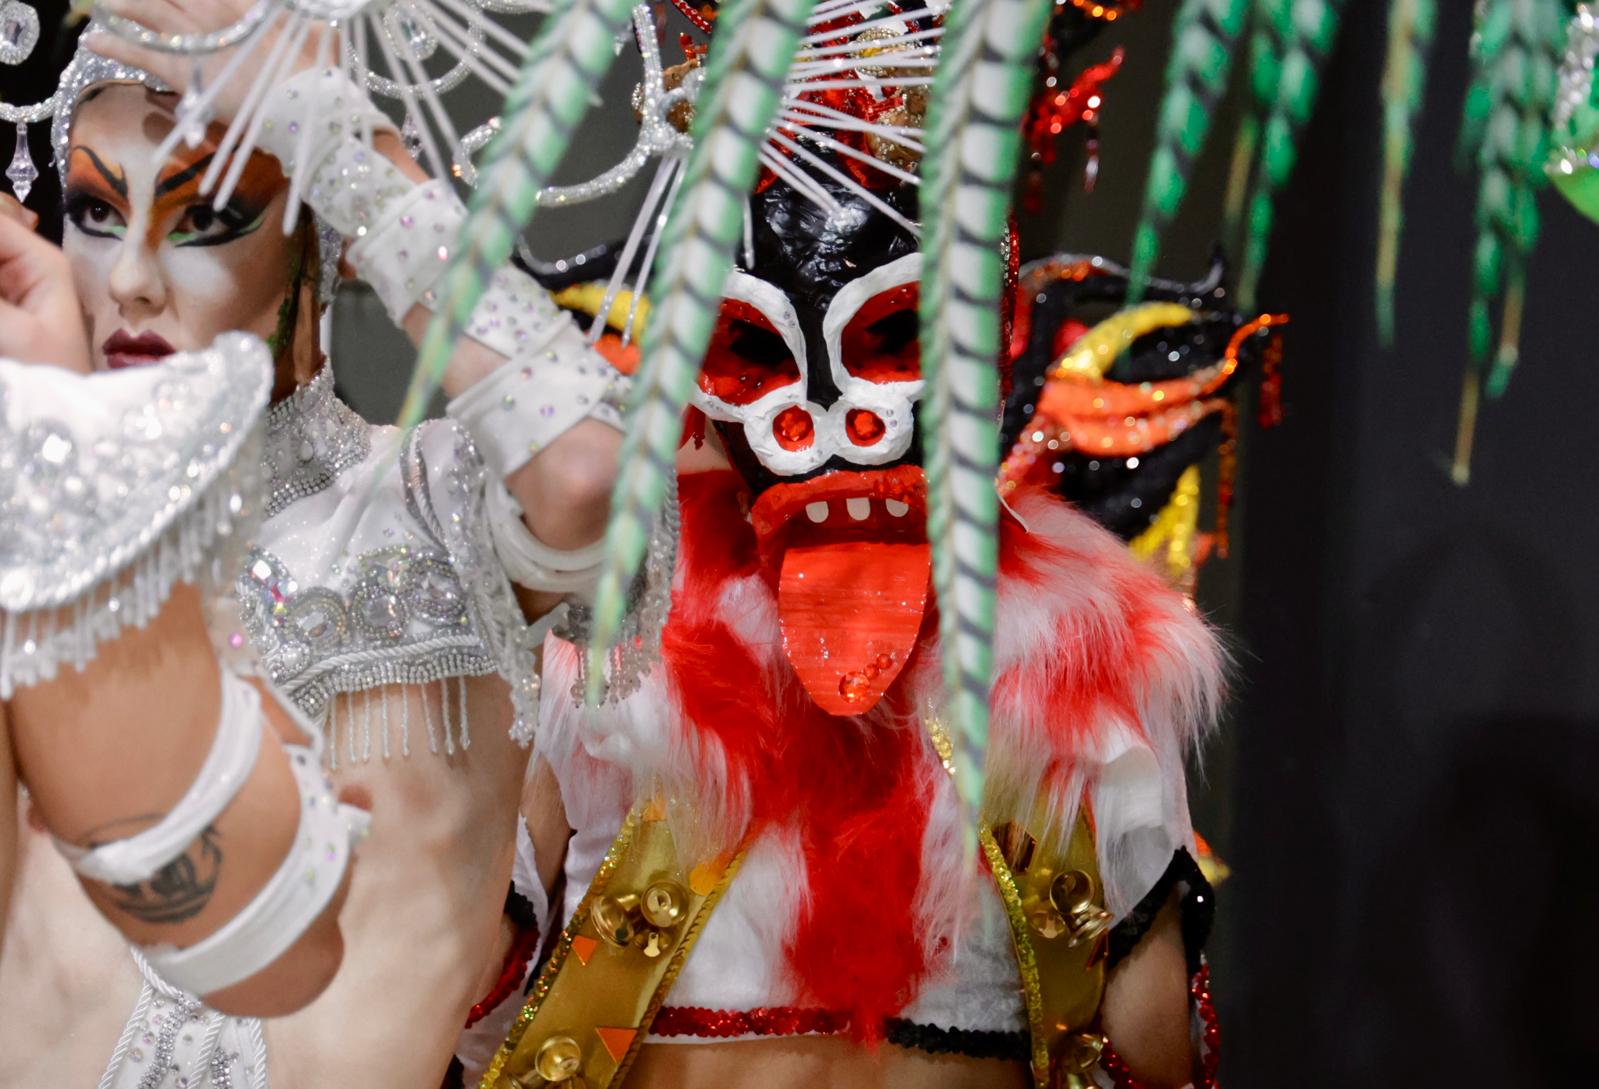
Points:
(312, 437)
(79, 507)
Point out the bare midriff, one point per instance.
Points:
(804, 1062)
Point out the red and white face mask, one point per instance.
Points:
(853, 408)
(823, 393)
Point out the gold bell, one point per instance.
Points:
(617, 918)
(1078, 1056)
(1072, 895)
(1047, 922)
(558, 1062)
(645, 921)
(559, 1059)
(664, 904)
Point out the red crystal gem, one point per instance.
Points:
(793, 428)
(865, 427)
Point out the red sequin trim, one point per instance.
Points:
(701, 23)
(1209, 1041)
(772, 1021)
(511, 974)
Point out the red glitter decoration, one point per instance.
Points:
(1269, 411)
(1209, 1058)
(793, 428)
(870, 105)
(1054, 111)
(511, 974)
(865, 427)
(765, 1021)
(1038, 277)
(1008, 304)
(701, 21)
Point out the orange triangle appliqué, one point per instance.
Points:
(583, 947)
(616, 1041)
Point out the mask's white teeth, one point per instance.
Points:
(896, 508)
(859, 507)
(816, 512)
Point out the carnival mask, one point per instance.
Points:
(812, 378)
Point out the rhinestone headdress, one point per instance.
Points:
(88, 69)
(410, 52)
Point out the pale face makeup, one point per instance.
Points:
(156, 268)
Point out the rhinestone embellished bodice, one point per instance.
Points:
(351, 583)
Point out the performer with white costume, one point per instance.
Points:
(375, 591)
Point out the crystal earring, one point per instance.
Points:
(22, 173)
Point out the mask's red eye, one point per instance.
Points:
(747, 358)
(880, 342)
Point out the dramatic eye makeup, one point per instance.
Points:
(202, 225)
(96, 201)
(96, 197)
(198, 223)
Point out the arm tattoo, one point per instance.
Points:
(180, 890)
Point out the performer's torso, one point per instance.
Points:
(801, 1062)
(434, 756)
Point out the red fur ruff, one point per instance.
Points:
(852, 789)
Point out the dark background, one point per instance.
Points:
(1405, 790)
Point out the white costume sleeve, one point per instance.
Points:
(404, 235)
(114, 488)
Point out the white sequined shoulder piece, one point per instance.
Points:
(113, 487)
(353, 581)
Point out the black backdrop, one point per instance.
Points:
(1408, 785)
(1417, 732)
(1406, 788)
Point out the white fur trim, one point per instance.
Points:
(737, 963)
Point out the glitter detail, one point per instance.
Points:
(679, 1021)
(109, 519)
(19, 31)
(161, 1063)
(401, 618)
(311, 420)
(1026, 960)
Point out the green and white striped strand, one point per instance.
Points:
(1204, 35)
(1308, 38)
(1269, 21)
(1517, 56)
(574, 49)
(750, 56)
(973, 147)
(1411, 26)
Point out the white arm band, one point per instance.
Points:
(289, 903)
(530, 562)
(321, 122)
(229, 763)
(536, 398)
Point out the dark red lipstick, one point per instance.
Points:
(123, 349)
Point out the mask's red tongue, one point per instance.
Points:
(851, 612)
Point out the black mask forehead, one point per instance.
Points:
(810, 252)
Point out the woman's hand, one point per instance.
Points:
(197, 17)
(40, 319)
